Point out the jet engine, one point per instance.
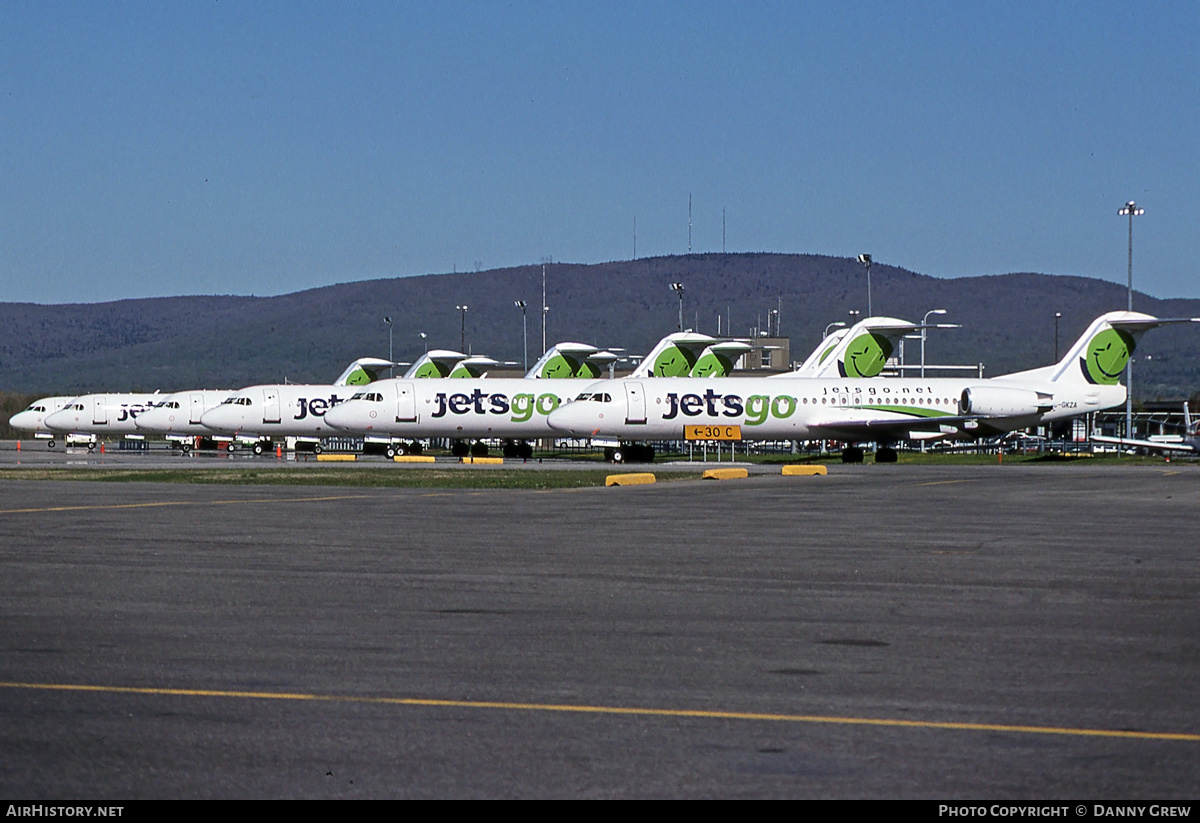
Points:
(999, 401)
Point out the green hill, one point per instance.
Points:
(223, 341)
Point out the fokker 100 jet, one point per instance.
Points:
(287, 409)
(515, 410)
(177, 416)
(101, 414)
(33, 418)
(857, 410)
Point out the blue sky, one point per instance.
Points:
(260, 148)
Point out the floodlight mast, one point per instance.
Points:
(924, 329)
(1131, 210)
(391, 368)
(522, 305)
(678, 289)
(462, 346)
(865, 259)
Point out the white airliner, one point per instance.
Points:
(513, 409)
(177, 416)
(33, 419)
(257, 413)
(858, 410)
(101, 414)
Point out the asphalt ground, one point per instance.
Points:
(1015, 631)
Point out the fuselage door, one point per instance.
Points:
(406, 403)
(99, 409)
(195, 407)
(270, 405)
(635, 395)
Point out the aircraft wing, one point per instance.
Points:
(914, 424)
(1188, 445)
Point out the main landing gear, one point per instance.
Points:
(630, 453)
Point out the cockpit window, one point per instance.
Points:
(597, 397)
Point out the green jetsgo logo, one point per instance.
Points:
(431, 368)
(1106, 356)
(712, 364)
(674, 361)
(358, 377)
(866, 356)
(362, 375)
(561, 366)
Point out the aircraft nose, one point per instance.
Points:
(220, 419)
(576, 418)
(59, 421)
(341, 416)
(25, 421)
(148, 420)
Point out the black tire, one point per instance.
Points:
(232, 447)
(50, 444)
(619, 455)
(479, 449)
(524, 451)
(885, 455)
(390, 451)
(258, 448)
(317, 449)
(460, 448)
(91, 446)
(185, 447)
(852, 454)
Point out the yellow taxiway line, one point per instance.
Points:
(615, 710)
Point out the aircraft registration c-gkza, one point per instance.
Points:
(857, 410)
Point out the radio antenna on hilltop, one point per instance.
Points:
(689, 222)
(635, 237)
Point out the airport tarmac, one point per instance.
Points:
(1005, 631)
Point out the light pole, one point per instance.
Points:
(522, 305)
(1131, 209)
(391, 368)
(854, 315)
(545, 308)
(462, 344)
(425, 341)
(1057, 317)
(678, 289)
(924, 329)
(865, 259)
(838, 323)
